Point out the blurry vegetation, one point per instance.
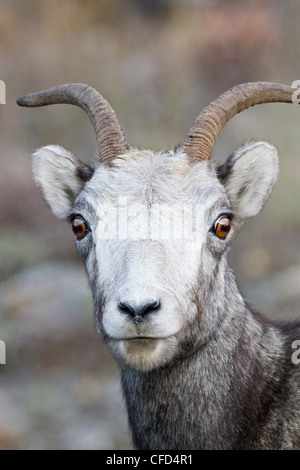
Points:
(158, 62)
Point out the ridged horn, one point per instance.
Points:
(110, 137)
(202, 136)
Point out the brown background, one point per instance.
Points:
(158, 63)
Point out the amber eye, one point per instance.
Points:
(79, 227)
(222, 226)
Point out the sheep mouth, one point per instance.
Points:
(140, 338)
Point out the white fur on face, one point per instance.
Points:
(129, 258)
(136, 261)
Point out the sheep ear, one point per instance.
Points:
(61, 176)
(249, 176)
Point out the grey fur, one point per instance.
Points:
(204, 371)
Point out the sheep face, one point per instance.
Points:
(153, 230)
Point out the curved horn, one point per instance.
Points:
(202, 136)
(110, 137)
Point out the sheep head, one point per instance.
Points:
(158, 292)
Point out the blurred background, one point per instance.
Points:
(158, 62)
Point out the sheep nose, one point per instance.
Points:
(139, 311)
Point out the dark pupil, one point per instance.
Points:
(225, 228)
(78, 226)
(224, 225)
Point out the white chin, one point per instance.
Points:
(144, 353)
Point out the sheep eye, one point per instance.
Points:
(222, 226)
(79, 227)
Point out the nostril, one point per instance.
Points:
(139, 311)
(125, 307)
(150, 307)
